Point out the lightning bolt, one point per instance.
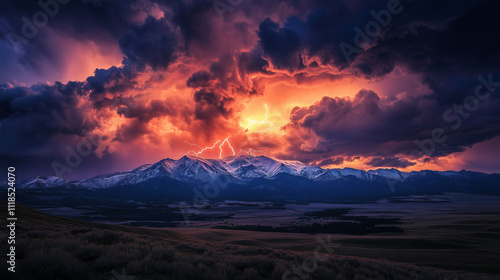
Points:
(249, 152)
(264, 121)
(202, 149)
(211, 147)
(225, 141)
(222, 142)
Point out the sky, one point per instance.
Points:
(89, 87)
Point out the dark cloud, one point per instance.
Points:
(229, 75)
(112, 80)
(200, 79)
(196, 21)
(210, 106)
(152, 43)
(449, 49)
(222, 85)
(252, 62)
(36, 115)
(330, 161)
(281, 46)
(458, 37)
(464, 44)
(224, 70)
(101, 22)
(130, 131)
(156, 108)
(327, 24)
(390, 162)
(373, 127)
(447, 44)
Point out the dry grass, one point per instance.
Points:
(54, 248)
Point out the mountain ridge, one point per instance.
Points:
(237, 169)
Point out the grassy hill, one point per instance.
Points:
(49, 247)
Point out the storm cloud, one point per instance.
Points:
(166, 72)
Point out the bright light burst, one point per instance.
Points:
(221, 143)
(263, 122)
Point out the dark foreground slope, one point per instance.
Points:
(50, 247)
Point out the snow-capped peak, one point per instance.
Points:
(241, 168)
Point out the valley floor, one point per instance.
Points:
(50, 247)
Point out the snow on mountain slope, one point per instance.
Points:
(240, 168)
(135, 176)
(360, 174)
(198, 169)
(393, 174)
(253, 167)
(42, 182)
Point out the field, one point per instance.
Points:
(440, 238)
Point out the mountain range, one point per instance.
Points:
(262, 178)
